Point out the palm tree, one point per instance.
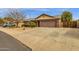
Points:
(66, 16)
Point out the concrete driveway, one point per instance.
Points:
(9, 43)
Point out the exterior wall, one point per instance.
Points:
(59, 23)
(77, 24)
(20, 24)
(71, 24)
(48, 23)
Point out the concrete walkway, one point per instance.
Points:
(9, 43)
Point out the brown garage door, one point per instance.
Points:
(47, 23)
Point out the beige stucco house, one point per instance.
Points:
(45, 20)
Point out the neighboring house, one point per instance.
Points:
(21, 22)
(45, 20)
(11, 21)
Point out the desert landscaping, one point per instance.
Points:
(46, 39)
(20, 30)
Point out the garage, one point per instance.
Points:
(47, 21)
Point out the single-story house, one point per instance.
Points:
(45, 20)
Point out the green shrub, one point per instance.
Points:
(25, 25)
(32, 24)
(29, 24)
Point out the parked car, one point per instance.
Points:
(8, 24)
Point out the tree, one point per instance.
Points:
(16, 15)
(1, 21)
(77, 19)
(66, 16)
(32, 24)
(8, 19)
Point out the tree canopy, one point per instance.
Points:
(16, 15)
(66, 16)
(1, 21)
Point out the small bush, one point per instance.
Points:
(32, 24)
(29, 24)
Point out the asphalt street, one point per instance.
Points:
(9, 43)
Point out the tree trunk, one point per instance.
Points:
(17, 23)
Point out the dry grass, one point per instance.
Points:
(47, 39)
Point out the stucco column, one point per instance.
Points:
(77, 24)
(59, 23)
(37, 24)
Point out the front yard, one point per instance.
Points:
(42, 39)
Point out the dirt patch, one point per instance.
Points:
(74, 33)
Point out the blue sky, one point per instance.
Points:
(34, 12)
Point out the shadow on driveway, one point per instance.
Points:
(9, 43)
